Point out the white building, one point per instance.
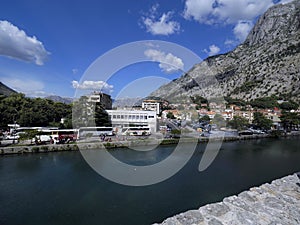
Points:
(152, 105)
(126, 118)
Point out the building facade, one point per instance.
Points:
(152, 105)
(101, 98)
(127, 118)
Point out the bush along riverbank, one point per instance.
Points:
(126, 144)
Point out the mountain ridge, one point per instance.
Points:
(5, 90)
(266, 63)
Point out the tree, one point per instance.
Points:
(261, 121)
(31, 111)
(204, 118)
(101, 116)
(238, 123)
(289, 105)
(195, 116)
(199, 100)
(170, 115)
(219, 121)
(234, 101)
(265, 103)
(289, 120)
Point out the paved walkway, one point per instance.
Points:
(277, 203)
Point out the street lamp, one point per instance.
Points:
(14, 125)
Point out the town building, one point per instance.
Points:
(227, 114)
(176, 113)
(275, 119)
(102, 98)
(152, 105)
(133, 118)
(248, 115)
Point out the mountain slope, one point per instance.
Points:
(57, 98)
(266, 63)
(4, 90)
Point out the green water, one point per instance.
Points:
(60, 188)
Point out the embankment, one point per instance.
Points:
(23, 149)
(275, 203)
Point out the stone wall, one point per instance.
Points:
(269, 204)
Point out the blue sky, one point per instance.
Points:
(47, 46)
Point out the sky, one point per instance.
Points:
(69, 48)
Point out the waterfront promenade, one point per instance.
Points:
(269, 204)
(98, 144)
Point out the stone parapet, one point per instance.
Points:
(269, 204)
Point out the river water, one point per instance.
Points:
(61, 188)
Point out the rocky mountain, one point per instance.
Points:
(56, 98)
(4, 90)
(126, 102)
(267, 63)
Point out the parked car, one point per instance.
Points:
(12, 137)
(245, 132)
(255, 131)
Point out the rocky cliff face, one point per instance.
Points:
(266, 63)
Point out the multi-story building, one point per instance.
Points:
(101, 98)
(275, 119)
(227, 114)
(246, 114)
(127, 118)
(176, 113)
(152, 105)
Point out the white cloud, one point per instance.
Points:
(242, 29)
(93, 85)
(160, 25)
(16, 44)
(213, 50)
(38, 94)
(167, 61)
(241, 13)
(285, 1)
(75, 71)
(224, 11)
(198, 10)
(229, 42)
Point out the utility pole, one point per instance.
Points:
(14, 125)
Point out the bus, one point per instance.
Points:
(136, 131)
(58, 136)
(95, 131)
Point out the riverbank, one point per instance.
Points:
(23, 149)
(274, 203)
